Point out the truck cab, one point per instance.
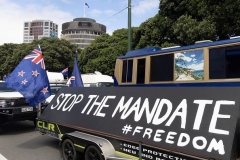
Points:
(14, 107)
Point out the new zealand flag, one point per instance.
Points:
(76, 79)
(65, 72)
(30, 78)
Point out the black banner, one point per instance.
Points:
(194, 121)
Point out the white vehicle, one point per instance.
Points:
(55, 78)
(96, 79)
(56, 81)
(14, 107)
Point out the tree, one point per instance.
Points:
(155, 31)
(7, 59)
(102, 53)
(58, 54)
(194, 20)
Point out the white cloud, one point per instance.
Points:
(196, 67)
(110, 32)
(95, 12)
(183, 57)
(13, 13)
(13, 16)
(144, 7)
(66, 1)
(109, 12)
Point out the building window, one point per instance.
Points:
(46, 23)
(25, 28)
(85, 24)
(25, 24)
(141, 70)
(224, 62)
(127, 71)
(161, 68)
(189, 65)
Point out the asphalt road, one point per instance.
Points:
(20, 141)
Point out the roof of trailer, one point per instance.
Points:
(156, 50)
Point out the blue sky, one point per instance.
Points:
(14, 12)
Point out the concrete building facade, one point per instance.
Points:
(38, 29)
(82, 31)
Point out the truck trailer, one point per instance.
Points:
(166, 123)
(175, 103)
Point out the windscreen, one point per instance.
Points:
(105, 84)
(3, 88)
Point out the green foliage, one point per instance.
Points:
(58, 54)
(194, 20)
(102, 53)
(189, 30)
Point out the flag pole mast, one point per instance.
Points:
(39, 107)
(84, 9)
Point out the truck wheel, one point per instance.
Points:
(92, 153)
(35, 123)
(68, 150)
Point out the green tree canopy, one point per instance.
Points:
(102, 53)
(58, 54)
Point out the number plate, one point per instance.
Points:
(28, 109)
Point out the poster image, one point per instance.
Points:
(189, 65)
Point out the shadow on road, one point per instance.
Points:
(41, 141)
(15, 128)
(32, 140)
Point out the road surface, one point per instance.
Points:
(20, 141)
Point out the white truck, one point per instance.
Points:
(96, 79)
(14, 107)
(56, 78)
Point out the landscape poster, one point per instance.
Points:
(189, 65)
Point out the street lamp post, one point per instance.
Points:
(129, 26)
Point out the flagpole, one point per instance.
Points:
(39, 107)
(76, 55)
(84, 9)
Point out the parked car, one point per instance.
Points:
(14, 107)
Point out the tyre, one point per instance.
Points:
(35, 123)
(68, 150)
(92, 153)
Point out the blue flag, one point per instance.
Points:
(4, 78)
(76, 79)
(87, 5)
(65, 72)
(30, 78)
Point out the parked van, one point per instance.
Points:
(96, 79)
(55, 78)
